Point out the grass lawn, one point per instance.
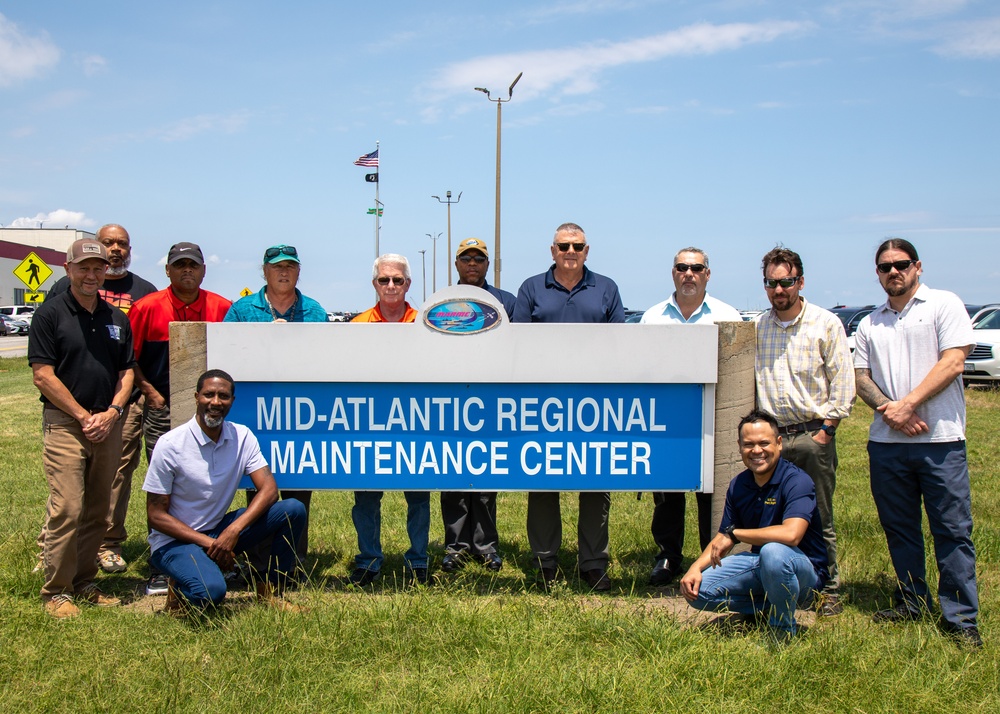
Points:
(478, 642)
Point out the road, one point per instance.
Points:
(13, 346)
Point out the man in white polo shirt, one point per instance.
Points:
(690, 304)
(192, 478)
(908, 359)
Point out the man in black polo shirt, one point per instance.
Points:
(122, 288)
(772, 507)
(80, 352)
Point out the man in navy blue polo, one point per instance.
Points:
(569, 292)
(771, 507)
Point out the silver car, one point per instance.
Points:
(982, 366)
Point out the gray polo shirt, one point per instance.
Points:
(901, 348)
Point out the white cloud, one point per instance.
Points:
(575, 70)
(56, 219)
(21, 56)
(973, 40)
(189, 127)
(212, 259)
(772, 105)
(93, 64)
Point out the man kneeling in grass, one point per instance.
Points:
(190, 485)
(772, 507)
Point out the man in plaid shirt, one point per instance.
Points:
(806, 381)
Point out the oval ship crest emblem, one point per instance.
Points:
(462, 317)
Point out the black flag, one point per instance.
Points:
(371, 178)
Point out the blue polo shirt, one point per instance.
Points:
(789, 494)
(506, 298)
(254, 308)
(594, 299)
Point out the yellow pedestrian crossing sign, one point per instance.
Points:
(34, 298)
(32, 271)
(246, 291)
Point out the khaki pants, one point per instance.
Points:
(121, 487)
(79, 475)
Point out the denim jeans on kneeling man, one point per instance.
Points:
(774, 582)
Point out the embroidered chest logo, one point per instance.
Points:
(771, 501)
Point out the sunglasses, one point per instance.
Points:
(899, 265)
(786, 283)
(693, 267)
(564, 247)
(477, 259)
(396, 280)
(280, 250)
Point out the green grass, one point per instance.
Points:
(476, 642)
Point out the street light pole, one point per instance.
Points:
(499, 101)
(449, 202)
(423, 271)
(434, 266)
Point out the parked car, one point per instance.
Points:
(982, 312)
(21, 312)
(13, 326)
(851, 317)
(982, 366)
(751, 315)
(3, 328)
(633, 316)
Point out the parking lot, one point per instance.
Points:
(13, 346)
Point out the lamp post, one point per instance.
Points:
(434, 260)
(499, 101)
(449, 202)
(423, 271)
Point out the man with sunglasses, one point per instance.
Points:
(391, 280)
(470, 518)
(690, 304)
(181, 301)
(908, 358)
(569, 292)
(805, 380)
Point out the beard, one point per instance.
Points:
(214, 422)
(121, 271)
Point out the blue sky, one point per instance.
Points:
(655, 124)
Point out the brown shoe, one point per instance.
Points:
(175, 605)
(61, 607)
(95, 596)
(830, 605)
(266, 595)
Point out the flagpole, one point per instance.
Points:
(377, 203)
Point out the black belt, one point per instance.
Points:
(812, 425)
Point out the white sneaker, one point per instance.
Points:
(111, 562)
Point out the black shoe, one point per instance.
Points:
(663, 573)
(968, 636)
(597, 579)
(158, 584)
(829, 605)
(900, 613)
(546, 577)
(417, 576)
(491, 561)
(452, 562)
(362, 577)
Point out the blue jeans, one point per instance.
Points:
(200, 580)
(901, 476)
(367, 517)
(776, 581)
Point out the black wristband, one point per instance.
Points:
(732, 536)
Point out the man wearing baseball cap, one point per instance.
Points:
(470, 519)
(80, 352)
(182, 301)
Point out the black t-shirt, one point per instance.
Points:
(87, 350)
(121, 292)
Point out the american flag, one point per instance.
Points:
(368, 159)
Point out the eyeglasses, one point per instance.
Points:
(281, 250)
(786, 283)
(899, 265)
(477, 259)
(396, 280)
(693, 267)
(578, 247)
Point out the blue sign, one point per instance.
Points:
(477, 437)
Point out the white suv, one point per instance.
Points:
(20, 312)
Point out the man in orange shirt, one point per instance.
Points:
(391, 280)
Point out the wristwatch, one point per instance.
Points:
(830, 429)
(732, 536)
(121, 412)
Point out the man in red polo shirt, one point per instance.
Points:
(182, 301)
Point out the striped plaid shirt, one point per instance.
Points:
(804, 371)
